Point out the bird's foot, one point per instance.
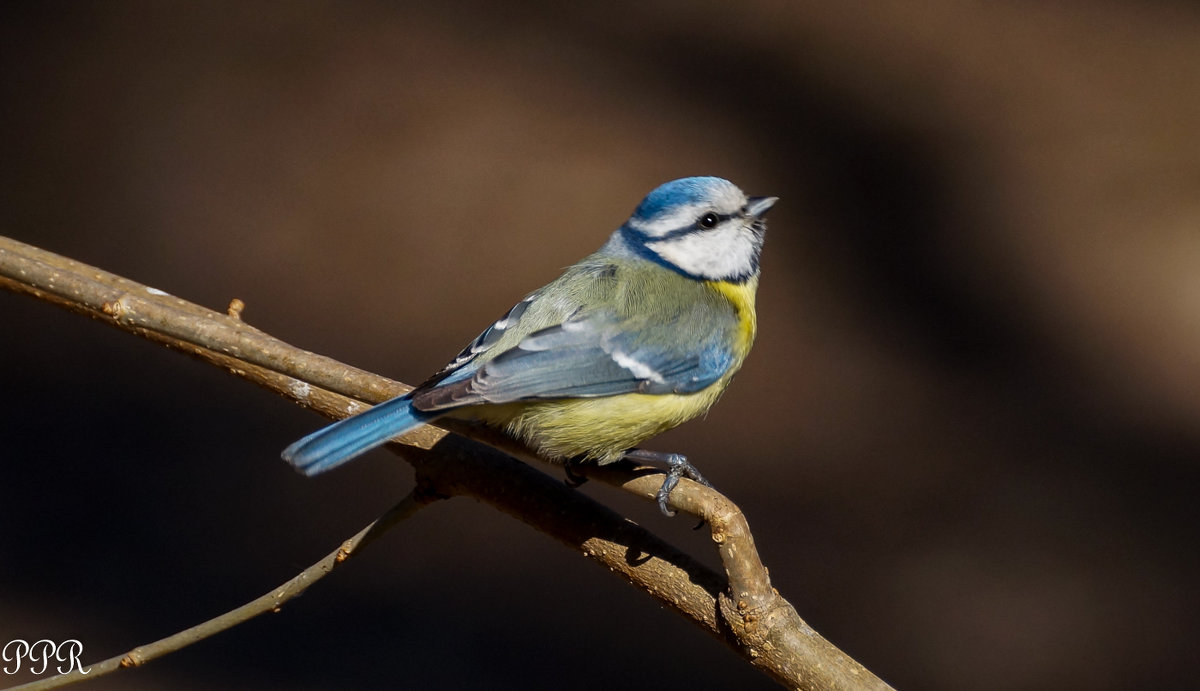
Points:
(573, 478)
(677, 466)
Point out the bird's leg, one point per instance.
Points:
(573, 478)
(677, 467)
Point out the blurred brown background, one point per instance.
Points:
(968, 439)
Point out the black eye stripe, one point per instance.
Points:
(692, 228)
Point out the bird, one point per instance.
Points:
(634, 339)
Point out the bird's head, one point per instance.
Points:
(703, 227)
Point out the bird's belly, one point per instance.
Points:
(600, 429)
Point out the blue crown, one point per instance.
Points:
(678, 193)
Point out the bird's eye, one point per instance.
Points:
(709, 220)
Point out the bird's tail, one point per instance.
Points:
(344, 440)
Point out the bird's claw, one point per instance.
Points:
(664, 493)
(677, 467)
(573, 478)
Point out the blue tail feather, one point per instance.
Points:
(344, 440)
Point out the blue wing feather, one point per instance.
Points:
(590, 356)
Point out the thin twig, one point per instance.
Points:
(269, 602)
(739, 608)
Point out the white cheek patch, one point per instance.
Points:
(723, 253)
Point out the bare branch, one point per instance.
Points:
(739, 608)
(269, 602)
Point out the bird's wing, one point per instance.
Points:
(596, 354)
(461, 366)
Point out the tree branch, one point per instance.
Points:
(739, 608)
(268, 602)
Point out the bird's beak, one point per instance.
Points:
(757, 207)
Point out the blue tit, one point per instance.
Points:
(633, 340)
